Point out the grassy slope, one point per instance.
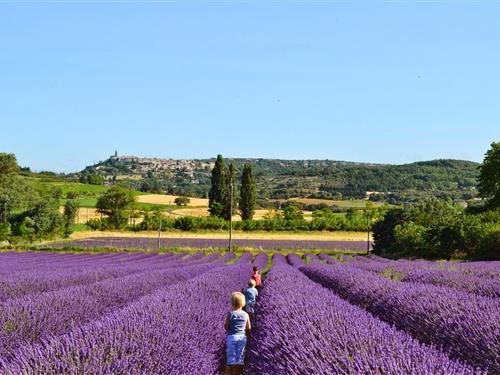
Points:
(88, 194)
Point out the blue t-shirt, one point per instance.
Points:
(237, 322)
(250, 296)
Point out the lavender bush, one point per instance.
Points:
(39, 280)
(303, 328)
(465, 325)
(164, 333)
(432, 273)
(33, 318)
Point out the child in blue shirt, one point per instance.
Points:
(237, 326)
(251, 295)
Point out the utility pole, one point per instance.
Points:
(230, 214)
(159, 232)
(368, 233)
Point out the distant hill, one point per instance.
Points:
(283, 179)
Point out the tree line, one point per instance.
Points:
(28, 210)
(283, 179)
(289, 219)
(437, 229)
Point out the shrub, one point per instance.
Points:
(4, 231)
(489, 247)
(249, 225)
(211, 223)
(182, 201)
(383, 231)
(152, 220)
(410, 239)
(42, 221)
(185, 223)
(97, 224)
(71, 195)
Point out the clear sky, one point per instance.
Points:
(389, 82)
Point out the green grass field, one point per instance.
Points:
(85, 190)
(88, 194)
(91, 202)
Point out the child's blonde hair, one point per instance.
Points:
(252, 283)
(237, 300)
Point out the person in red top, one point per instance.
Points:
(256, 277)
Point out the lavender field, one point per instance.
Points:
(150, 313)
(152, 243)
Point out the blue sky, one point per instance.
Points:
(388, 82)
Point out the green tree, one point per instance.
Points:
(8, 170)
(4, 230)
(57, 193)
(115, 203)
(43, 220)
(384, 230)
(248, 193)
(69, 214)
(230, 180)
(16, 194)
(151, 184)
(293, 213)
(93, 179)
(432, 209)
(217, 189)
(8, 164)
(409, 239)
(489, 176)
(182, 201)
(185, 223)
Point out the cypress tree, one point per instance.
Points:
(230, 176)
(247, 193)
(218, 189)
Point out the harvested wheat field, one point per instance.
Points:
(259, 214)
(170, 200)
(194, 211)
(84, 214)
(200, 211)
(329, 202)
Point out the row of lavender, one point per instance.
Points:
(482, 278)
(100, 327)
(169, 303)
(485, 269)
(56, 292)
(152, 243)
(304, 328)
(20, 261)
(34, 317)
(51, 273)
(464, 325)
